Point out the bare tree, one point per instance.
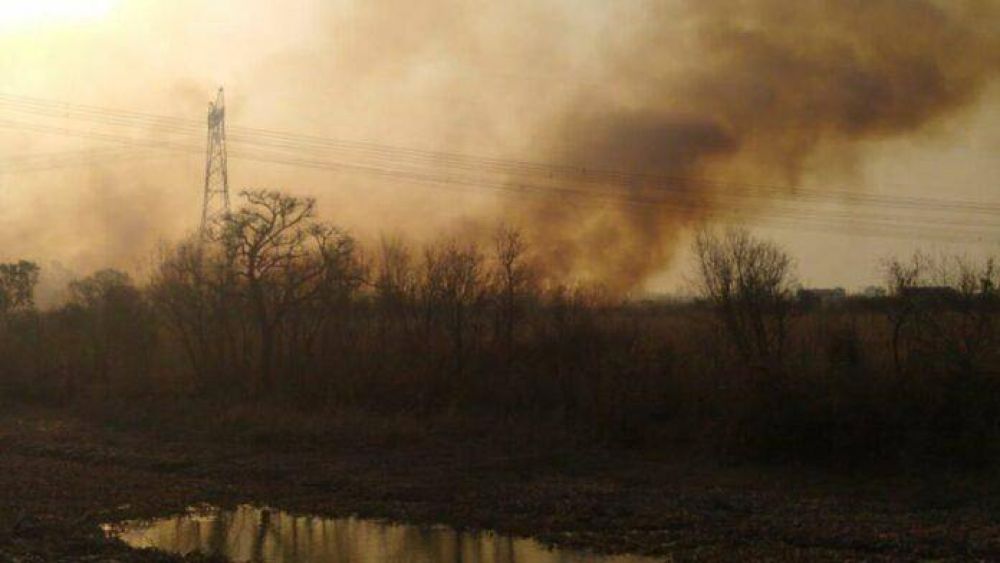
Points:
(117, 322)
(395, 283)
(341, 273)
(195, 291)
(286, 260)
(749, 281)
(17, 286)
(512, 277)
(943, 310)
(17, 290)
(452, 289)
(901, 278)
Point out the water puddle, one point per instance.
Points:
(263, 535)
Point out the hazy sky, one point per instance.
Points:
(637, 87)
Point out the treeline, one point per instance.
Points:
(273, 305)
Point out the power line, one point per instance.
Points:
(548, 192)
(880, 226)
(386, 153)
(36, 162)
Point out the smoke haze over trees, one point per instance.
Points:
(282, 308)
(652, 117)
(586, 271)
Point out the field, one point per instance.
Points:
(463, 390)
(62, 476)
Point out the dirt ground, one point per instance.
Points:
(61, 477)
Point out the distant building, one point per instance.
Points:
(821, 297)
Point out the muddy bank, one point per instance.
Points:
(60, 477)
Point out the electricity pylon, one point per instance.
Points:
(216, 202)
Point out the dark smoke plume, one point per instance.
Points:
(756, 90)
(643, 100)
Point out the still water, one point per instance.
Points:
(263, 535)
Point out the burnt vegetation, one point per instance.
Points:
(277, 307)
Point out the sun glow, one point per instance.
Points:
(19, 14)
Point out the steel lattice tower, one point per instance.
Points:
(216, 203)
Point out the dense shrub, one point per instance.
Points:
(281, 310)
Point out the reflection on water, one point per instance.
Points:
(270, 536)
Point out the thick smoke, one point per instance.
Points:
(639, 101)
(767, 85)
